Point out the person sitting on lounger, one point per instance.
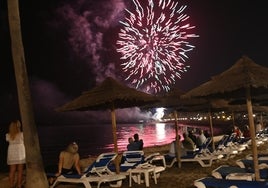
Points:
(192, 136)
(246, 132)
(258, 127)
(188, 143)
(238, 133)
(173, 149)
(131, 145)
(138, 142)
(201, 138)
(68, 162)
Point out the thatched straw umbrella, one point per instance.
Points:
(109, 95)
(245, 79)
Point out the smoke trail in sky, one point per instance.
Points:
(52, 97)
(153, 44)
(87, 25)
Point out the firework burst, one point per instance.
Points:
(153, 44)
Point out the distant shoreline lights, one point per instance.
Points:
(153, 44)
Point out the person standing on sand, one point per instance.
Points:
(16, 157)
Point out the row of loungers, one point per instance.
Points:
(102, 170)
(240, 176)
(226, 148)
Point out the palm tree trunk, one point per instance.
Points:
(35, 175)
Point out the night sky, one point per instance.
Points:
(70, 46)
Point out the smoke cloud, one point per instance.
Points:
(88, 26)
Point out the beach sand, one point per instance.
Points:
(172, 177)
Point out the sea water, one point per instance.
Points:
(96, 139)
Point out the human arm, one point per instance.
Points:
(128, 147)
(77, 165)
(141, 144)
(7, 137)
(60, 165)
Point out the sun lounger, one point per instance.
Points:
(210, 182)
(260, 156)
(99, 166)
(204, 148)
(203, 156)
(239, 144)
(156, 159)
(115, 180)
(248, 163)
(97, 172)
(224, 170)
(133, 162)
(205, 160)
(225, 147)
(130, 159)
(170, 160)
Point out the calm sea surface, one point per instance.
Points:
(96, 139)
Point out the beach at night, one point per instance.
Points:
(172, 177)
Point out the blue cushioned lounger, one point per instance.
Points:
(249, 163)
(210, 182)
(224, 170)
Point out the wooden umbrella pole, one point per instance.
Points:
(178, 143)
(211, 129)
(115, 138)
(252, 133)
(233, 117)
(262, 121)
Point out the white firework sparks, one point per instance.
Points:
(153, 44)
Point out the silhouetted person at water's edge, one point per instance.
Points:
(138, 142)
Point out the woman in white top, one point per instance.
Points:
(15, 153)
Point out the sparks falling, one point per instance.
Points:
(153, 44)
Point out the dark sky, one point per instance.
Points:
(70, 45)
